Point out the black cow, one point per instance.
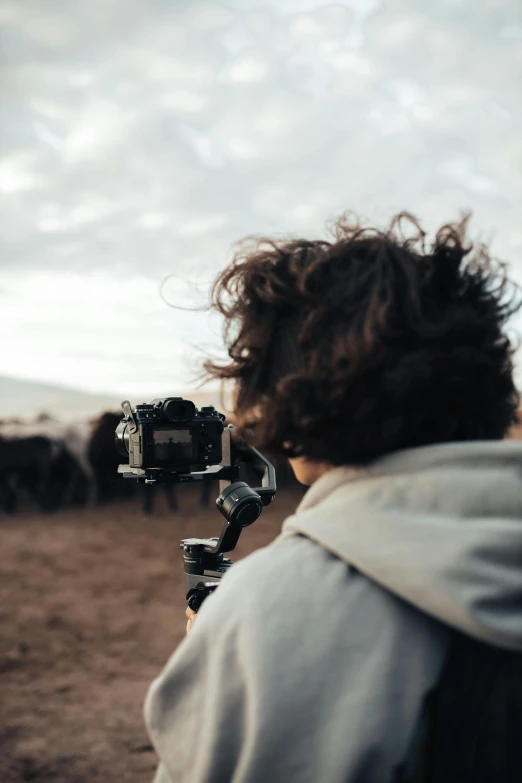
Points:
(26, 465)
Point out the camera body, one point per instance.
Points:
(170, 434)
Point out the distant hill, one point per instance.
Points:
(26, 399)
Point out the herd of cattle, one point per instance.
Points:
(50, 464)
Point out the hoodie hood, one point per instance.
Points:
(438, 526)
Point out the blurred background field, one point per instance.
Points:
(92, 605)
(92, 588)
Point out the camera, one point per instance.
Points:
(169, 440)
(170, 434)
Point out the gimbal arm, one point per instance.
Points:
(240, 505)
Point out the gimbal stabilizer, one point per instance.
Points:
(240, 505)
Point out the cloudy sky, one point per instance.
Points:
(139, 140)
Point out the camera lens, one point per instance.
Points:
(176, 410)
(122, 438)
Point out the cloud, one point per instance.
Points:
(99, 332)
(143, 139)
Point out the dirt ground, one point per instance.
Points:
(91, 606)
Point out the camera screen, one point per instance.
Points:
(174, 446)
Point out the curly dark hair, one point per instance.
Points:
(345, 350)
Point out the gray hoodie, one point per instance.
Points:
(312, 661)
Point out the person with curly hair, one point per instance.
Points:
(378, 639)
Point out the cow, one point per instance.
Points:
(70, 444)
(26, 465)
(104, 457)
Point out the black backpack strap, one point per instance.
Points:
(414, 767)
